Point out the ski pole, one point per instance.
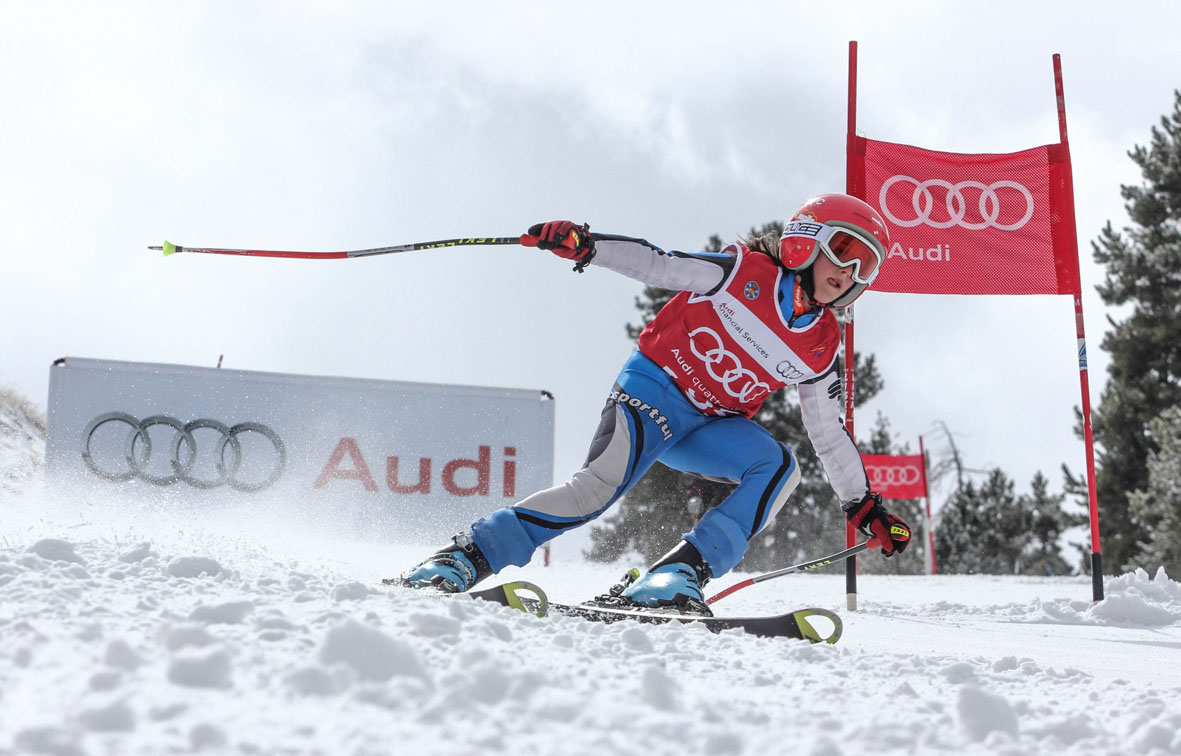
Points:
(170, 249)
(802, 567)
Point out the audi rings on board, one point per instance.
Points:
(183, 452)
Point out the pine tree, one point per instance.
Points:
(976, 528)
(989, 529)
(1143, 274)
(654, 514)
(1158, 506)
(1042, 555)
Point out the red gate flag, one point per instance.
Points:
(896, 476)
(971, 224)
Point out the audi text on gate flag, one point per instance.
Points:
(971, 224)
(896, 476)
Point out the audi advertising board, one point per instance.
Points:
(415, 459)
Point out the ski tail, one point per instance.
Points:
(516, 595)
(809, 632)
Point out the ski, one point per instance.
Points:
(796, 624)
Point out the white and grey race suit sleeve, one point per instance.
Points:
(822, 407)
(700, 273)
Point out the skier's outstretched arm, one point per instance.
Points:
(700, 273)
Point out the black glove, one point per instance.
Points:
(564, 238)
(872, 519)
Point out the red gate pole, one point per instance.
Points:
(1093, 496)
(850, 181)
(927, 524)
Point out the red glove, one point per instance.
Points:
(564, 238)
(872, 519)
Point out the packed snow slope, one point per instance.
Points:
(22, 444)
(138, 629)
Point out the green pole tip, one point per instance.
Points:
(169, 248)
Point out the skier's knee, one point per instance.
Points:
(772, 460)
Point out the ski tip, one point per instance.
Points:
(169, 248)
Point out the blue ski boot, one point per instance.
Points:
(673, 583)
(452, 569)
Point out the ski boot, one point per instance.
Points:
(452, 569)
(672, 585)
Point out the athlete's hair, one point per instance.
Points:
(768, 244)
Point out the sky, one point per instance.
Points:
(329, 126)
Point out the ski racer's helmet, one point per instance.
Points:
(847, 230)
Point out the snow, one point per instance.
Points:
(22, 444)
(136, 630)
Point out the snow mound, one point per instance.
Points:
(202, 669)
(193, 566)
(372, 654)
(22, 445)
(1130, 600)
(55, 550)
(981, 713)
(225, 613)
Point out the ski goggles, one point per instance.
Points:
(844, 246)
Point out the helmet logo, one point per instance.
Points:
(803, 228)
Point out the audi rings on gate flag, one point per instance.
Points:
(896, 476)
(202, 453)
(970, 224)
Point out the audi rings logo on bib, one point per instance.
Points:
(972, 205)
(202, 453)
(725, 367)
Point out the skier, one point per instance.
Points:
(747, 321)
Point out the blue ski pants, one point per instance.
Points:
(646, 419)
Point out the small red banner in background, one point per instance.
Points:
(971, 224)
(896, 476)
